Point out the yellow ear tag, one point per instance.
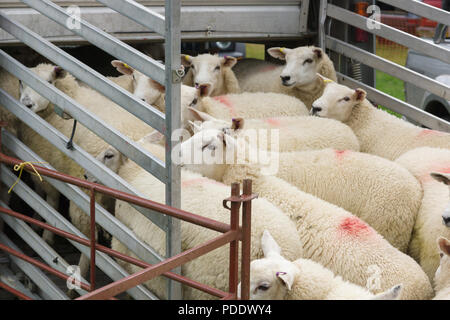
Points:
(282, 50)
(187, 58)
(126, 66)
(327, 80)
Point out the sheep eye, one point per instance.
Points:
(263, 287)
(441, 254)
(194, 102)
(205, 146)
(346, 99)
(217, 68)
(308, 61)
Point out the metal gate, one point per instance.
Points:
(169, 74)
(330, 12)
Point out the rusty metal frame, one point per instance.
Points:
(232, 234)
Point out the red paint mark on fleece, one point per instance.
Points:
(428, 133)
(353, 226)
(268, 68)
(227, 103)
(199, 181)
(341, 153)
(273, 122)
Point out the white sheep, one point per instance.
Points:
(382, 193)
(296, 133)
(444, 178)
(204, 197)
(330, 235)
(10, 84)
(211, 72)
(421, 162)
(298, 78)
(276, 278)
(442, 277)
(379, 132)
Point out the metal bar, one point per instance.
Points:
(105, 263)
(421, 9)
(408, 110)
(93, 242)
(8, 277)
(50, 256)
(304, 11)
(101, 39)
(73, 193)
(139, 13)
(322, 21)
(15, 292)
(173, 122)
(122, 97)
(154, 271)
(246, 241)
(35, 274)
(389, 67)
(112, 136)
(234, 245)
(390, 33)
(39, 264)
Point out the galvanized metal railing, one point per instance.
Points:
(169, 75)
(232, 234)
(330, 11)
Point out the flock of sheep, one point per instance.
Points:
(355, 210)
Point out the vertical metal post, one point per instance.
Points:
(322, 20)
(246, 240)
(173, 122)
(234, 245)
(93, 233)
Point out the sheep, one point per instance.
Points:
(444, 178)
(330, 235)
(297, 133)
(211, 70)
(378, 132)
(382, 193)
(210, 269)
(442, 277)
(276, 278)
(421, 162)
(10, 84)
(93, 102)
(299, 77)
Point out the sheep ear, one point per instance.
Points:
(201, 116)
(444, 245)
(153, 137)
(391, 294)
(277, 52)
(195, 127)
(122, 67)
(287, 278)
(268, 244)
(58, 73)
(158, 86)
(186, 60)
(441, 177)
(318, 53)
(228, 61)
(237, 123)
(359, 95)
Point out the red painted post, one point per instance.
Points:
(234, 245)
(93, 242)
(246, 240)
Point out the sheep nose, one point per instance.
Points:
(285, 78)
(446, 220)
(315, 110)
(196, 84)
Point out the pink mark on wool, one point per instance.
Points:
(273, 122)
(200, 181)
(268, 68)
(355, 227)
(227, 103)
(341, 153)
(429, 133)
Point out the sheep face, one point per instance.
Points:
(444, 178)
(302, 64)
(30, 98)
(144, 88)
(111, 158)
(337, 102)
(272, 276)
(442, 275)
(207, 70)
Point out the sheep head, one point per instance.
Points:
(444, 178)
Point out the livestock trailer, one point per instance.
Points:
(69, 33)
